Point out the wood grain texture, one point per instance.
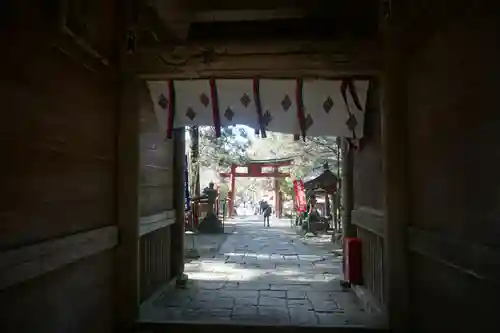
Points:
(58, 145)
(369, 219)
(177, 229)
(256, 58)
(155, 261)
(474, 259)
(57, 174)
(26, 263)
(373, 264)
(157, 221)
(455, 230)
(78, 297)
(156, 161)
(469, 258)
(256, 46)
(126, 293)
(395, 161)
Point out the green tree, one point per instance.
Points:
(308, 155)
(215, 153)
(230, 147)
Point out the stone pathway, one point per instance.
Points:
(265, 276)
(207, 244)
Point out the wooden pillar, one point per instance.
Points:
(194, 135)
(177, 229)
(126, 272)
(327, 204)
(276, 196)
(232, 190)
(338, 189)
(348, 229)
(281, 203)
(217, 202)
(127, 194)
(395, 164)
(334, 208)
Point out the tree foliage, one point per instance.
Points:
(308, 155)
(315, 152)
(230, 147)
(238, 145)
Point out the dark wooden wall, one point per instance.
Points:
(58, 144)
(452, 240)
(368, 174)
(454, 124)
(369, 203)
(156, 153)
(156, 202)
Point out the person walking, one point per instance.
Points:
(267, 213)
(262, 205)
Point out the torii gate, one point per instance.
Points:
(255, 169)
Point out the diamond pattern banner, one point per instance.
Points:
(328, 104)
(204, 100)
(325, 110)
(193, 104)
(229, 114)
(324, 103)
(278, 105)
(236, 103)
(357, 119)
(159, 92)
(190, 113)
(286, 103)
(245, 100)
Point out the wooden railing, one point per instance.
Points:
(155, 252)
(370, 228)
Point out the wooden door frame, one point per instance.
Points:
(126, 297)
(395, 165)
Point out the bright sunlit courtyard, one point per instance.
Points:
(262, 275)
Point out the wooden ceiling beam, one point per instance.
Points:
(264, 58)
(261, 46)
(248, 15)
(174, 14)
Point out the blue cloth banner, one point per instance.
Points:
(187, 208)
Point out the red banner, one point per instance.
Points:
(300, 195)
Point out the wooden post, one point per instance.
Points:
(217, 202)
(126, 287)
(177, 230)
(232, 190)
(281, 203)
(348, 229)
(127, 210)
(395, 164)
(337, 193)
(328, 211)
(334, 209)
(276, 196)
(194, 134)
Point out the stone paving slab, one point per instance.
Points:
(207, 244)
(261, 275)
